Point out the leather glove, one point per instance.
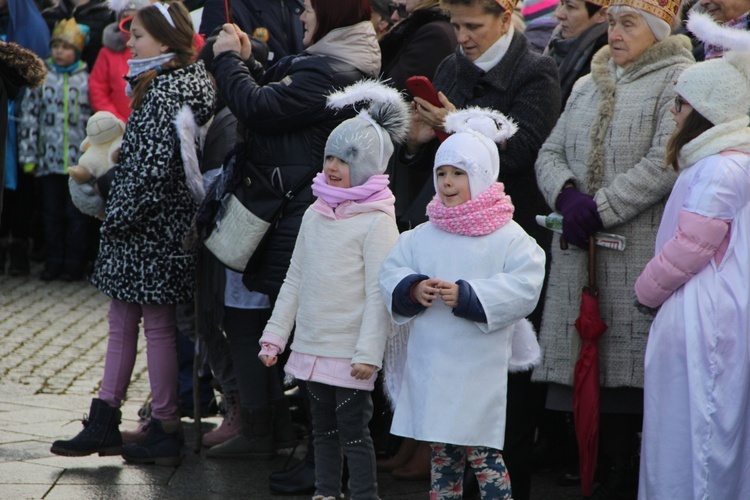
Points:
(580, 216)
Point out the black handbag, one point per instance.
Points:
(250, 206)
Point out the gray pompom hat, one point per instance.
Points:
(366, 142)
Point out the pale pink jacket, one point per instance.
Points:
(697, 240)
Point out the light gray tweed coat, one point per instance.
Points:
(610, 141)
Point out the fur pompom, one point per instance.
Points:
(387, 106)
(708, 31)
(363, 91)
(736, 42)
(494, 125)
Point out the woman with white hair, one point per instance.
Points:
(603, 168)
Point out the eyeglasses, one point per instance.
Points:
(125, 24)
(400, 9)
(678, 102)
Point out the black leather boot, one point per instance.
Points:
(100, 434)
(161, 446)
(255, 440)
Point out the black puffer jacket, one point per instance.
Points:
(287, 123)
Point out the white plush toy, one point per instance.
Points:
(100, 148)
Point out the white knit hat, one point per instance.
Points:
(472, 147)
(718, 89)
(365, 142)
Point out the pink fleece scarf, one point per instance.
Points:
(483, 215)
(342, 203)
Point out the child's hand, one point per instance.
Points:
(426, 291)
(361, 371)
(449, 293)
(268, 360)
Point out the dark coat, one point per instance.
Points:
(525, 87)
(96, 15)
(416, 46)
(574, 56)
(149, 209)
(286, 126)
(279, 18)
(18, 67)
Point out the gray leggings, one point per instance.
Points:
(340, 425)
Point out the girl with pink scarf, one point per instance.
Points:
(331, 289)
(464, 280)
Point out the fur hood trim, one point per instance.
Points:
(27, 68)
(654, 58)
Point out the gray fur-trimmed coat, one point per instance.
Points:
(610, 141)
(149, 209)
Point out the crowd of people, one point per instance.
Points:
(404, 279)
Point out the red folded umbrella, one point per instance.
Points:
(586, 378)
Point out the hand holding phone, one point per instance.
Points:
(420, 86)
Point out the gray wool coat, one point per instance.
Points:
(610, 141)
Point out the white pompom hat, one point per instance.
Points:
(718, 89)
(473, 146)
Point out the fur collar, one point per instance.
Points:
(658, 56)
(20, 66)
(729, 136)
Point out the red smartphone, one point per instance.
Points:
(420, 86)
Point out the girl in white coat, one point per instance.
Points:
(696, 429)
(331, 289)
(466, 277)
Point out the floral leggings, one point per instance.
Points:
(448, 464)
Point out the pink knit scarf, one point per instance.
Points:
(483, 215)
(342, 203)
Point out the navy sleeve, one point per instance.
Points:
(468, 306)
(402, 302)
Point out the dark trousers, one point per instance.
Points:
(341, 420)
(65, 227)
(258, 384)
(18, 209)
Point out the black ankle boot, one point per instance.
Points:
(100, 434)
(284, 435)
(161, 446)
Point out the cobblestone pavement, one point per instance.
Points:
(52, 345)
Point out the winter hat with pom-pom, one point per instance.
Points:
(473, 146)
(718, 89)
(365, 142)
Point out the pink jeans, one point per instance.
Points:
(161, 353)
